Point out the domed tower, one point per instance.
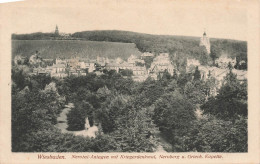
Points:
(56, 31)
(204, 41)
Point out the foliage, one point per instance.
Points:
(173, 115)
(231, 100)
(215, 52)
(135, 132)
(127, 72)
(77, 116)
(228, 136)
(129, 113)
(111, 112)
(194, 91)
(196, 74)
(33, 111)
(188, 46)
(52, 140)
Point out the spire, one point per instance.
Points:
(204, 34)
(57, 31)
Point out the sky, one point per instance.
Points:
(220, 19)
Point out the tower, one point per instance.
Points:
(56, 31)
(204, 41)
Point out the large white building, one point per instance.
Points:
(204, 41)
(223, 61)
(161, 63)
(134, 59)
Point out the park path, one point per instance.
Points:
(163, 144)
(62, 124)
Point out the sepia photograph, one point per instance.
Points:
(129, 77)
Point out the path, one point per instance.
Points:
(163, 144)
(62, 124)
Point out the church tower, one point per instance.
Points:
(56, 31)
(204, 41)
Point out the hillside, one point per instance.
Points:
(183, 45)
(70, 48)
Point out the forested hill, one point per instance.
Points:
(163, 43)
(153, 43)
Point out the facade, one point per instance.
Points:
(162, 63)
(102, 61)
(204, 41)
(18, 59)
(58, 70)
(35, 59)
(147, 54)
(193, 62)
(60, 61)
(90, 67)
(139, 73)
(223, 61)
(134, 59)
(40, 71)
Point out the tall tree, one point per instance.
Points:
(196, 74)
(214, 53)
(173, 115)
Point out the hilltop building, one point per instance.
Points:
(56, 31)
(204, 41)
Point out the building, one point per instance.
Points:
(58, 70)
(102, 61)
(18, 59)
(161, 63)
(139, 73)
(56, 33)
(192, 62)
(223, 61)
(191, 65)
(35, 59)
(134, 59)
(77, 72)
(60, 61)
(113, 66)
(40, 71)
(90, 67)
(204, 41)
(146, 54)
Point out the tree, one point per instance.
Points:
(214, 53)
(110, 112)
(204, 57)
(228, 136)
(103, 93)
(196, 74)
(173, 114)
(126, 72)
(135, 131)
(175, 75)
(77, 116)
(231, 100)
(33, 111)
(194, 91)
